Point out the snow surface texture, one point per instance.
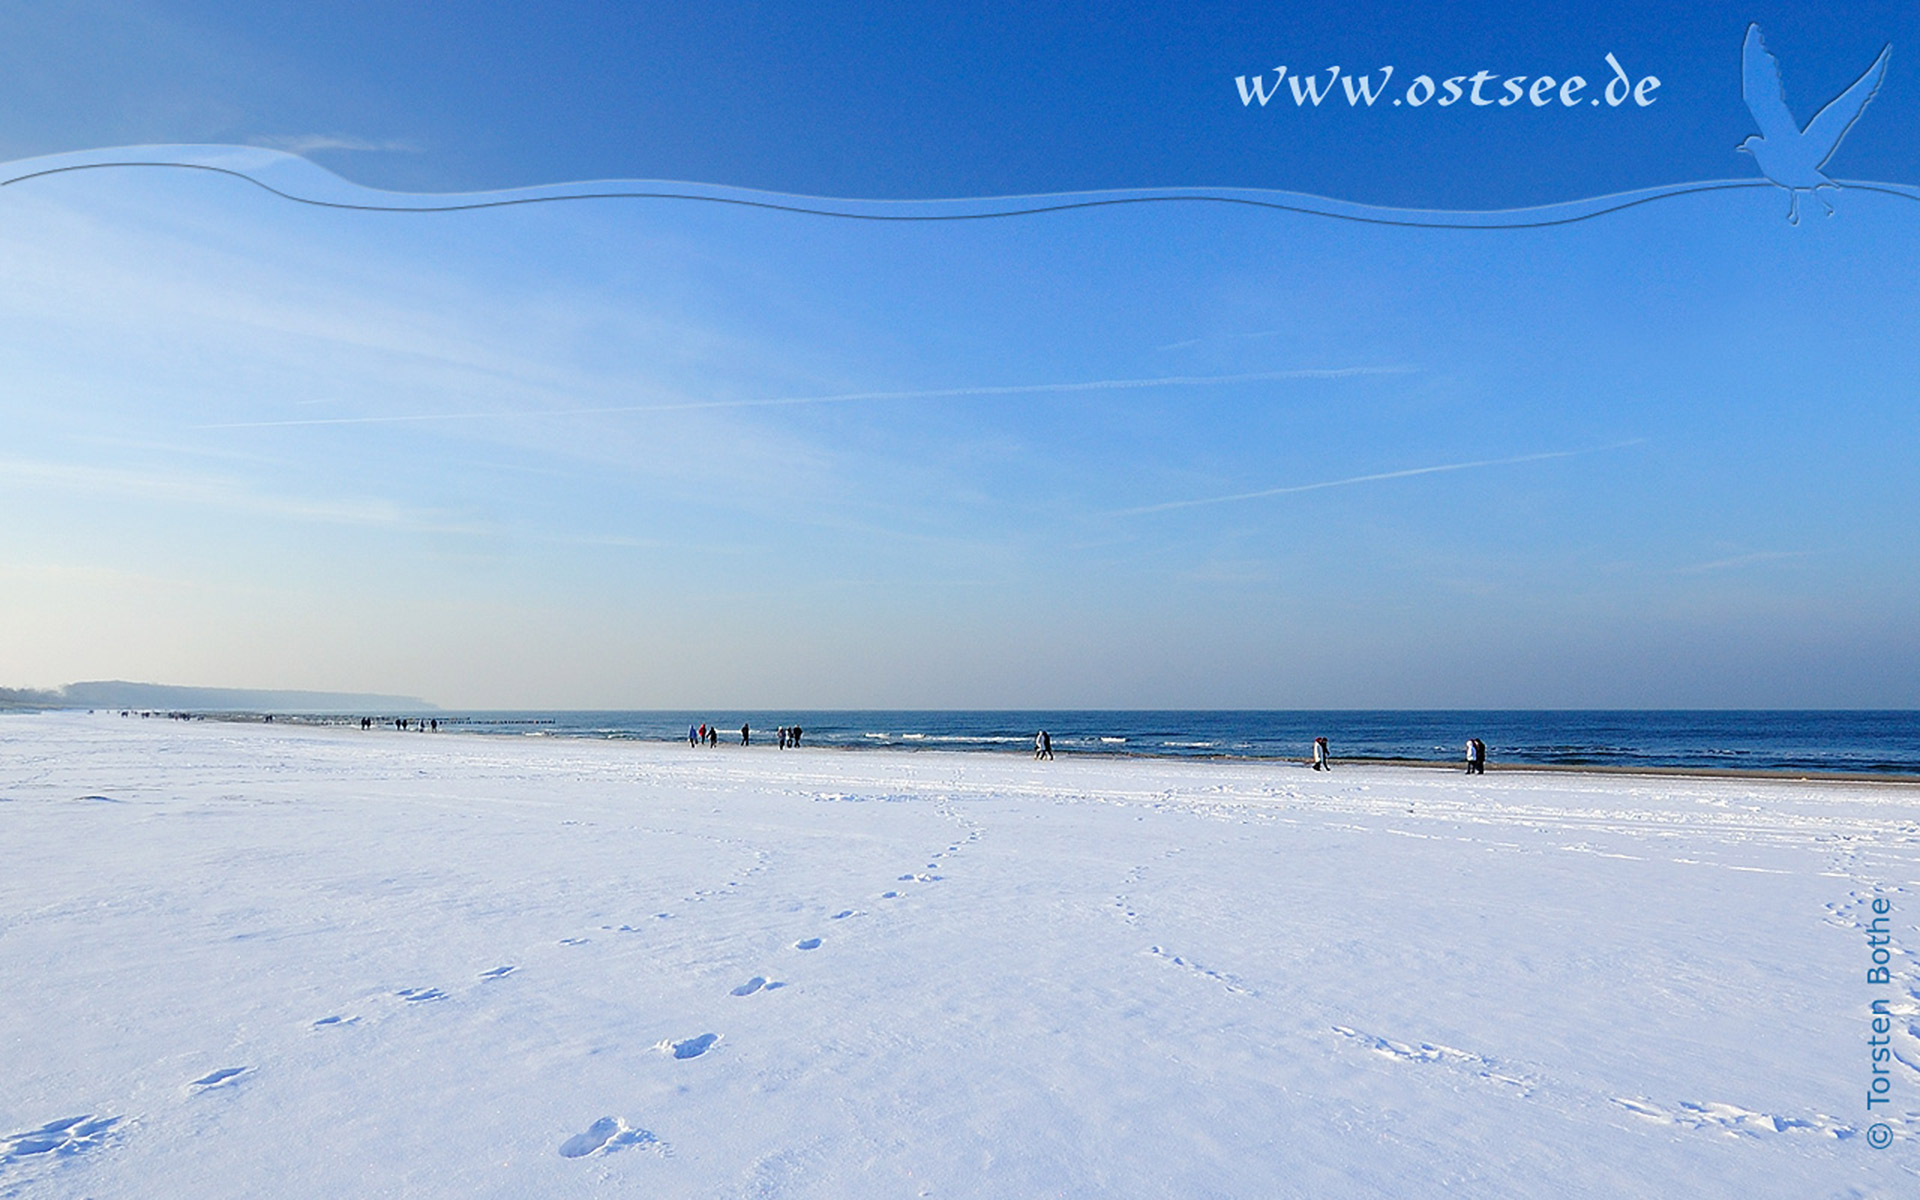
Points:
(257, 960)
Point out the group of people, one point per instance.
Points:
(1476, 756)
(1043, 745)
(423, 724)
(704, 734)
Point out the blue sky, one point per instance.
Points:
(1179, 455)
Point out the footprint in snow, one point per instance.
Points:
(335, 1019)
(692, 1047)
(607, 1135)
(843, 914)
(497, 972)
(751, 986)
(224, 1077)
(807, 944)
(68, 1136)
(420, 995)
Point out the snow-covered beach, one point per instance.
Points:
(245, 960)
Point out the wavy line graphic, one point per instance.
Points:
(302, 181)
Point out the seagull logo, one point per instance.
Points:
(1788, 155)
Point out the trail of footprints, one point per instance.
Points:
(1853, 914)
(1707, 1116)
(1733, 1120)
(609, 1134)
(1479, 1067)
(71, 1136)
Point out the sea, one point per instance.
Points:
(1835, 742)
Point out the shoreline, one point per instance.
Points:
(1510, 767)
(1783, 775)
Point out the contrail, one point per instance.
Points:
(1016, 389)
(1334, 483)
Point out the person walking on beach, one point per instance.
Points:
(743, 734)
(1320, 762)
(1046, 745)
(1476, 757)
(793, 736)
(1039, 743)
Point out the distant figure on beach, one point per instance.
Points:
(1476, 757)
(691, 732)
(743, 734)
(1046, 745)
(436, 724)
(781, 733)
(793, 735)
(1320, 762)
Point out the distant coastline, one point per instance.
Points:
(117, 693)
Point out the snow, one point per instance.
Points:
(245, 960)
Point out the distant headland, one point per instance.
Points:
(116, 693)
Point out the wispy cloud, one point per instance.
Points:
(1220, 337)
(1409, 473)
(307, 143)
(1741, 560)
(229, 494)
(1015, 389)
(232, 495)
